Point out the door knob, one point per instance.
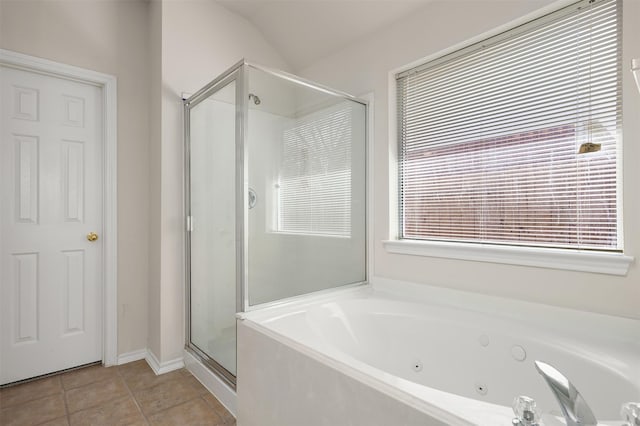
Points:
(92, 236)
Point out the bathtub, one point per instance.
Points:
(401, 354)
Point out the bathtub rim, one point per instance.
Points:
(559, 319)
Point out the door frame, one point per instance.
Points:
(108, 85)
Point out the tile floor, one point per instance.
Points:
(129, 394)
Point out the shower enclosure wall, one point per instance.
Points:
(275, 199)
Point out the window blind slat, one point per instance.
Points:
(552, 60)
(489, 136)
(518, 37)
(314, 185)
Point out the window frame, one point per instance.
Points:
(595, 261)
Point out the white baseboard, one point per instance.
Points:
(163, 367)
(212, 382)
(131, 356)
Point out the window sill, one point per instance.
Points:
(584, 261)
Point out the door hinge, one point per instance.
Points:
(189, 223)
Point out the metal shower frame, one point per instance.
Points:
(239, 73)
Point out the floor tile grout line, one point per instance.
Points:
(66, 406)
(92, 382)
(101, 402)
(135, 400)
(172, 406)
(119, 375)
(210, 405)
(47, 421)
(66, 416)
(187, 402)
(223, 417)
(31, 399)
(184, 376)
(83, 384)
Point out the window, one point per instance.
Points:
(314, 188)
(515, 140)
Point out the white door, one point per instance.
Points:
(50, 200)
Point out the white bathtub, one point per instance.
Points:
(455, 358)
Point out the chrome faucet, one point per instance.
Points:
(525, 410)
(574, 408)
(631, 413)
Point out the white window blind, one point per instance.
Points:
(314, 189)
(490, 136)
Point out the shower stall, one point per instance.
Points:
(275, 200)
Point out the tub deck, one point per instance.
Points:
(430, 356)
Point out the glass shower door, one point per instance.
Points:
(306, 164)
(212, 238)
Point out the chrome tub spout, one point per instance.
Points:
(574, 408)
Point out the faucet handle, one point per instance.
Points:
(630, 412)
(525, 410)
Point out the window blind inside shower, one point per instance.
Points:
(314, 188)
(515, 140)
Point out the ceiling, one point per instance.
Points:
(304, 31)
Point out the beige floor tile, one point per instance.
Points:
(86, 375)
(185, 372)
(61, 421)
(219, 408)
(199, 387)
(165, 395)
(94, 394)
(145, 379)
(121, 411)
(195, 412)
(132, 368)
(103, 396)
(29, 391)
(33, 412)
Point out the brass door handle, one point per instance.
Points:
(92, 236)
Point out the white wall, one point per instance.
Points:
(200, 40)
(109, 37)
(364, 66)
